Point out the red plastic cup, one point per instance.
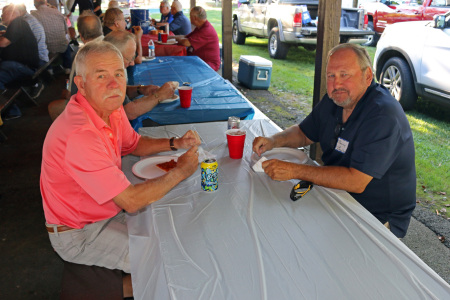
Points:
(164, 37)
(185, 96)
(236, 141)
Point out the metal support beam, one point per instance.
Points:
(327, 37)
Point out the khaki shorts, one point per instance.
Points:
(103, 244)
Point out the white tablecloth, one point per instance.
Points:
(248, 240)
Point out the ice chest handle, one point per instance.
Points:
(264, 73)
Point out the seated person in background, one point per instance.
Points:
(19, 56)
(56, 30)
(367, 143)
(89, 28)
(114, 20)
(203, 41)
(180, 24)
(166, 16)
(38, 31)
(84, 191)
(151, 94)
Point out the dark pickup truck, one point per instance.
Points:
(381, 15)
(292, 22)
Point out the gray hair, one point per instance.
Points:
(177, 5)
(199, 12)
(165, 3)
(113, 4)
(93, 48)
(120, 39)
(111, 16)
(361, 53)
(89, 26)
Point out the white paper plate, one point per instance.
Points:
(147, 168)
(146, 58)
(169, 42)
(286, 154)
(175, 97)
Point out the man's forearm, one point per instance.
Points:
(140, 106)
(292, 137)
(343, 178)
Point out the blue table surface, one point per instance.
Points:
(213, 98)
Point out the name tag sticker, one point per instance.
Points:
(341, 145)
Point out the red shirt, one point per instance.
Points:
(81, 164)
(205, 44)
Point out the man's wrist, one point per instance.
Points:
(172, 144)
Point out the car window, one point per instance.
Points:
(440, 3)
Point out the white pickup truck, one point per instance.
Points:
(292, 22)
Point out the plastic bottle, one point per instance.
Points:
(151, 49)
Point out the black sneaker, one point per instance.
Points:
(12, 112)
(36, 90)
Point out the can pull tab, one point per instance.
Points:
(258, 77)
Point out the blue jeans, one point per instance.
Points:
(12, 70)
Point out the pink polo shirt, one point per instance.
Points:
(81, 164)
(205, 44)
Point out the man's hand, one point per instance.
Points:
(188, 162)
(188, 140)
(262, 144)
(165, 91)
(279, 170)
(138, 32)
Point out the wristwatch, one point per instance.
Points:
(172, 146)
(138, 90)
(157, 97)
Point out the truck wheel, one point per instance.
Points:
(277, 49)
(372, 40)
(397, 78)
(238, 37)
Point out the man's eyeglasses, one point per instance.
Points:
(337, 132)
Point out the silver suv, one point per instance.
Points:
(413, 59)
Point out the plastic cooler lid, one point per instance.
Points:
(256, 61)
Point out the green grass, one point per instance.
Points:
(430, 123)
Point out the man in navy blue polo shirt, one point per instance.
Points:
(367, 144)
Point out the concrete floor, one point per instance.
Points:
(30, 268)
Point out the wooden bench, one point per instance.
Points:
(90, 283)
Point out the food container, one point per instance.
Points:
(254, 72)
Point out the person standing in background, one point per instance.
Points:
(98, 7)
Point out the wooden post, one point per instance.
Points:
(327, 37)
(227, 25)
(355, 3)
(193, 4)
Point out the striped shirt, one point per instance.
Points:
(39, 34)
(55, 28)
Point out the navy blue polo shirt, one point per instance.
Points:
(376, 140)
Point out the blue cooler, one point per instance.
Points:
(254, 72)
(139, 16)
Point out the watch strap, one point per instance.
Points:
(172, 146)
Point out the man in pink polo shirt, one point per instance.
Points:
(83, 189)
(203, 41)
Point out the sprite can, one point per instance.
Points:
(210, 173)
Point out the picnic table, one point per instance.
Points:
(249, 240)
(213, 97)
(160, 48)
